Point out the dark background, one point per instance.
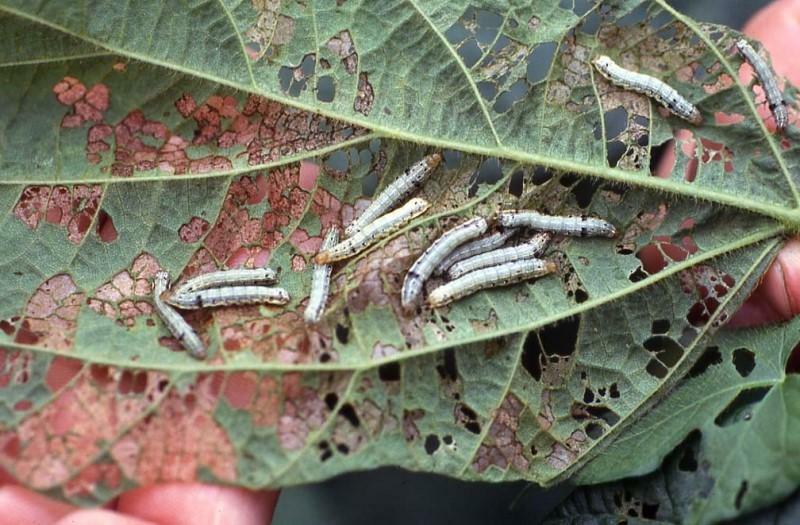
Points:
(393, 496)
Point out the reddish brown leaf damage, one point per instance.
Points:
(501, 448)
(70, 208)
(51, 314)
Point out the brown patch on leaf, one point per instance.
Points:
(51, 315)
(342, 46)
(16, 367)
(105, 227)
(501, 448)
(410, 418)
(94, 481)
(87, 105)
(560, 457)
(709, 286)
(180, 440)
(66, 435)
(270, 30)
(303, 412)
(644, 223)
(263, 130)
(285, 338)
(365, 96)
(266, 403)
(193, 230)
(380, 277)
(127, 295)
(235, 230)
(70, 208)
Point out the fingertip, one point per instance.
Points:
(197, 503)
(20, 506)
(99, 517)
(777, 297)
(776, 26)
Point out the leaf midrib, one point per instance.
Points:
(790, 216)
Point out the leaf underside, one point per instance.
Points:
(159, 135)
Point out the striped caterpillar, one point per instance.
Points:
(765, 74)
(502, 275)
(320, 282)
(472, 248)
(405, 185)
(176, 324)
(579, 225)
(236, 277)
(378, 229)
(423, 267)
(649, 86)
(527, 250)
(229, 295)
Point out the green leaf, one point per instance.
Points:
(134, 140)
(738, 413)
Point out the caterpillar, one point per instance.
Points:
(578, 225)
(502, 275)
(320, 282)
(402, 187)
(236, 277)
(378, 229)
(527, 250)
(649, 86)
(229, 295)
(176, 324)
(472, 248)
(442, 247)
(775, 101)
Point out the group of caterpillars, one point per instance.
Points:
(677, 104)
(222, 288)
(470, 259)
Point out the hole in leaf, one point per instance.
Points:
(606, 414)
(448, 370)
(389, 372)
(665, 348)
(431, 443)
(711, 356)
(331, 399)
(105, 227)
(468, 418)
(342, 333)
(793, 362)
(540, 176)
(515, 185)
(660, 326)
(560, 338)
(649, 510)
(584, 190)
(656, 369)
(349, 413)
(326, 89)
(594, 430)
(325, 451)
(638, 275)
(740, 494)
(448, 439)
(532, 356)
(688, 461)
(740, 408)
(539, 62)
(744, 360)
